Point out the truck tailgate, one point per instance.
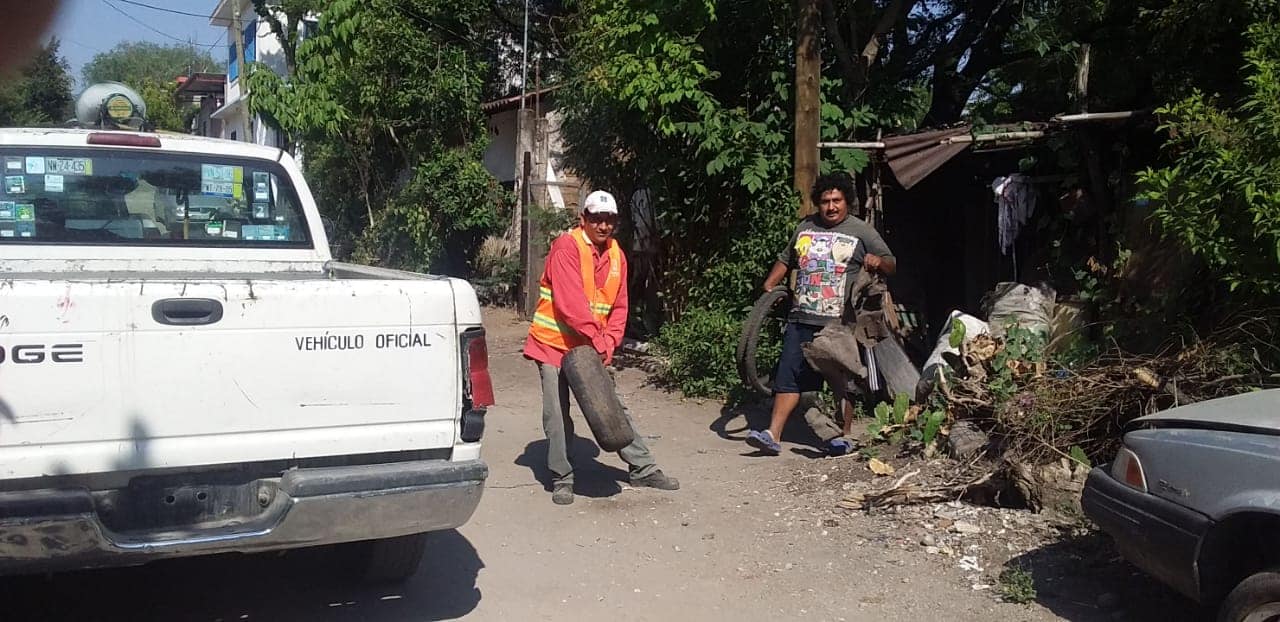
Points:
(109, 375)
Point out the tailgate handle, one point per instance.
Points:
(186, 311)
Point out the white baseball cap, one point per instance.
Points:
(600, 202)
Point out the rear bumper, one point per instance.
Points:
(1158, 536)
(46, 530)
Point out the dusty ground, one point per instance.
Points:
(747, 538)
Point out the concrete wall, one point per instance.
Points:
(500, 155)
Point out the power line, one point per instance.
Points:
(160, 8)
(218, 40)
(154, 29)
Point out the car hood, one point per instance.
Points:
(1256, 411)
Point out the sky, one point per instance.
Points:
(88, 27)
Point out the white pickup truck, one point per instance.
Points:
(185, 370)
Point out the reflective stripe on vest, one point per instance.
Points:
(548, 327)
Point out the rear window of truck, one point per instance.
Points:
(130, 198)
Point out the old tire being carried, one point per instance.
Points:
(768, 313)
(593, 388)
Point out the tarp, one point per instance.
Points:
(913, 157)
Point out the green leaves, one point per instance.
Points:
(933, 421)
(957, 334)
(136, 62)
(386, 98)
(40, 92)
(1220, 196)
(848, 160)
(898, 422)
(700, 351)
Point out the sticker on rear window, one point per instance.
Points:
(68, 166)
(15, 184)
(266, 232)
(35, 165)
(261, 186)
(13, 165)
(26, 229)
(222, 181)
(8, 210)
(53, 183)
(25, 211)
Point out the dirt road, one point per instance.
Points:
(733, 544)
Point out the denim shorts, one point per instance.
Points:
(794, 375)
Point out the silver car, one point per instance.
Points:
(1193, 498)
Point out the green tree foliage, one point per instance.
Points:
(1143, 53)
(1220, 195)
(152, 70)
(40, 92)
(163, 110)
(690, 101)
(135, 63)
(669, 97)
(386, 102)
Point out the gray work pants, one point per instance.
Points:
(559, 430)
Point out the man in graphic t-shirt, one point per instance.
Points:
(827, 251)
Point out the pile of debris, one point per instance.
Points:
(1024, 427)
(1009, 382)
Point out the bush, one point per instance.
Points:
(496, 272)
(700, 348)
(1220, 198)
(437, 221)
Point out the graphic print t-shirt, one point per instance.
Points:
(825, 260)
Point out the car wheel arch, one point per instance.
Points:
(1235, 547)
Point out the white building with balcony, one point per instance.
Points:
(259, 45)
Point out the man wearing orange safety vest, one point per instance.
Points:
(583, 302)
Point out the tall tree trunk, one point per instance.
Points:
(808, 99)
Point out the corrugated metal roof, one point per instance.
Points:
(912, 157)
(513, 102)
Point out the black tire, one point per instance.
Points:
(593, 388)
(389, 560)
(1257, 596)
(767, 307)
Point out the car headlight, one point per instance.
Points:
(1127, 468)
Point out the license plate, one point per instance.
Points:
(68, 166)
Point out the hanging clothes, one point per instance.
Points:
(1015, 202)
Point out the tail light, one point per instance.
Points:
(1128, 469)
(477, 387)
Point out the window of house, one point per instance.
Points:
(233, 67)
(309, 27)
(250, 41)
(249, 38)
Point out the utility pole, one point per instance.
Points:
(238, 36)
(808, 99)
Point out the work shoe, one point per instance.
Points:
(763, 440)
(839, 447)
(562, 493)
(656, 479)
